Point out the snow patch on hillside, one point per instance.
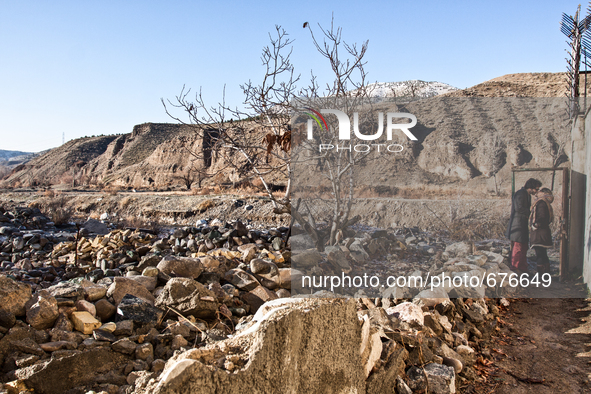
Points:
(412, 89)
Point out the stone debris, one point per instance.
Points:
(377, 352)
(146, 304)
(140, 295)
(417, 258)
(42, 310)
(84, 322)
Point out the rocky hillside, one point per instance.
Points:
(149, 154)
(451, 147)
(153, 155)
(523, 85)
(468, 140)
(12, 158)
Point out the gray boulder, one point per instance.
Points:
(184, 267)
(306, 259)
(188, 297)
(441, 379)
(96, 227)
(241, 279)
(301, 242)
(137, 310)
(67, 290)
(122, 286)
(459, 249)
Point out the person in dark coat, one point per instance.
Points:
(518, 229)
(540, 219)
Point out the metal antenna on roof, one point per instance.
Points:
(579, 41)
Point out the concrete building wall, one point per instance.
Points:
(578, 193)
(581, 145)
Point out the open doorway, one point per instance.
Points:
(556, 179)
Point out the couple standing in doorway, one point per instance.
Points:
(531, 226)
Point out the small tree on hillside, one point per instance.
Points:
(348, 91)
(187, 176)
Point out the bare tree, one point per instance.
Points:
(348, 92)
(187, 176)
(235, 134)
(232, 133)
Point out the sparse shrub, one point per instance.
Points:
(220, 178)
(49, 193)
(111, 190)
(125, 201)
(66, 179)
(461, 230)
(57, 210)
(201, 191)
(256, 182)
(84, 180)
(204, 205)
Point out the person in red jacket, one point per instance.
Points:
(518, 229)
(540, 219)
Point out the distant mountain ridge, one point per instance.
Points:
(6, 155)
(12, 158)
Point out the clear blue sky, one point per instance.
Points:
(101, 67)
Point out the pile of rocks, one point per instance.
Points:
(23, 217)
(360, 345)
(25, 233)
(136, 297)
(406, 253)
(433, 344)
(114, 306)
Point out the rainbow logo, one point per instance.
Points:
(315, 115)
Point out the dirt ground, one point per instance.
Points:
(543, 346)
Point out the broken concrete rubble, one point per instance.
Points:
(371, 356)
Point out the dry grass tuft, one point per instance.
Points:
(111, 190)
(49, 193)
(138, 222)
(476, 230)
(126, 201)
(205, 205)
(58, 211)
(201, 191)
(256, 182)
